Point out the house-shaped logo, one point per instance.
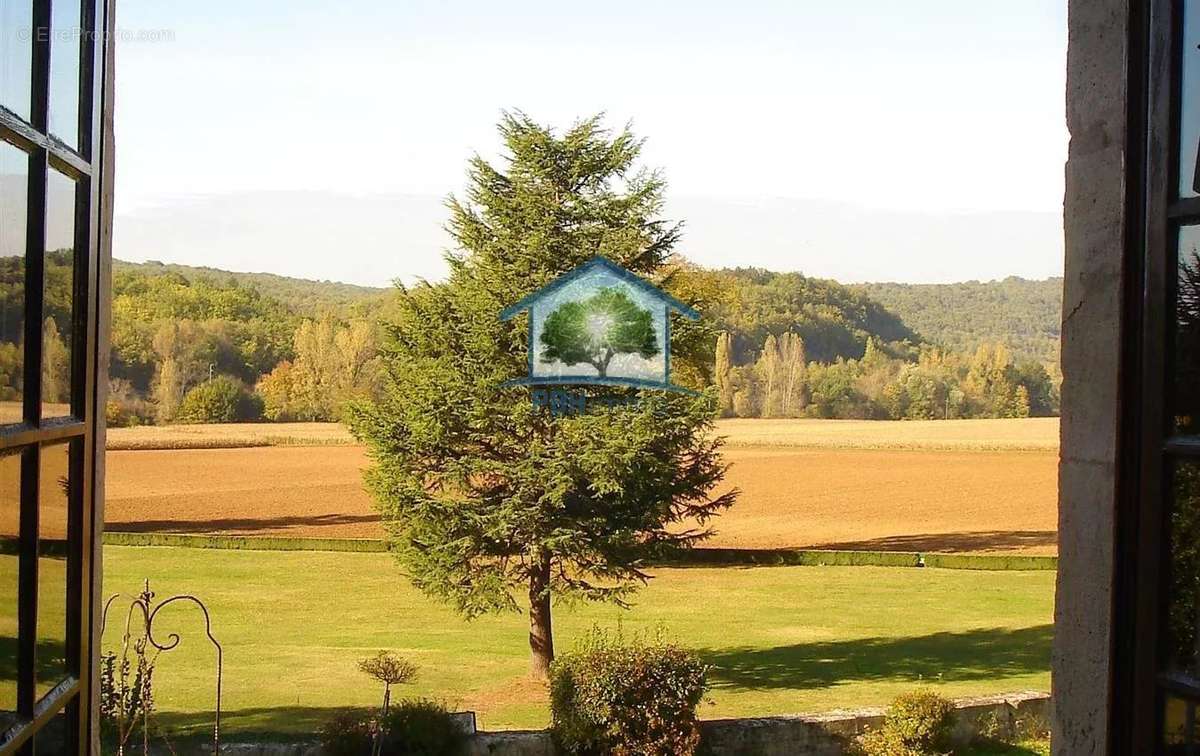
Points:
(599, 324)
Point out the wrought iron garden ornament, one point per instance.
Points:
(144, 605)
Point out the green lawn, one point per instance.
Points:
(781, 639)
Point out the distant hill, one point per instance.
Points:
(1024, 314)
(299, 295)
(835, 320)
(271, 338)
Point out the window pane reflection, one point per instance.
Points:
(59, 302)
(1179, 725)
(1184, 589)
(64, 71)
(53, 509)
(1187, 333)
(10, 526)
(52, 740)
(1189, 131)
(14, 175)
(16, 55)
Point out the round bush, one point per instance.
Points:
(419, 727)
(219, 400)
(413, 727)
(348, 733)
(917, 724)
(617, 698)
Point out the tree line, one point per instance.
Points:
(205, 350)
(938, 384)
(787, 345)
(199, 345)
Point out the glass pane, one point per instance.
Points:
(1187, 333)
(16, 55)
(64, 71)
(14, 175)
(57, 338)
(1189, 131)
(53, 497)
(1179, 724)
(10, 526)
(51, 740)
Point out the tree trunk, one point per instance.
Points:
(541, 636)
(601, 365)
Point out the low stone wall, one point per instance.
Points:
(1005, 717)
(514, 743)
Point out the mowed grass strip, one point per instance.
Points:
(781, 639)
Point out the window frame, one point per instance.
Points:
(1149, 444)
(90, 166)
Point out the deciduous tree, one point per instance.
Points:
(595, 330)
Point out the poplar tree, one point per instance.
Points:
(491, 503)
(723, 374)
(771, 377)
(795, 369)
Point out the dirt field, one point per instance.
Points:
(916, 500)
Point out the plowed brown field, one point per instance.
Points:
(919, 500)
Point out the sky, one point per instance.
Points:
(864, 141)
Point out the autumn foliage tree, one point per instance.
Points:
(334, 365)
(491, 503)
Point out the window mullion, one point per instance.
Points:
(28, 582)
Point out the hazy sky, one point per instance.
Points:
(934, 109)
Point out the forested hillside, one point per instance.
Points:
(201, 345)
(300, 296)
(793, 346)
(834, 320)
(1025, 315)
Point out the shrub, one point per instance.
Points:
(219, 400)
(413, 727)
(635, 698)
(348, 733)
(917, 724)
(419, 727)
(125, 407)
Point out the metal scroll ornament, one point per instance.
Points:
(131, 703)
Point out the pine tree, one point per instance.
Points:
(491, 503)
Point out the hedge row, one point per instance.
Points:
(244, 543)
(701, 557)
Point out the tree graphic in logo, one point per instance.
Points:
(596, 329)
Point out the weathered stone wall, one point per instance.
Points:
(1094, 212)
(1006, 716)
(824, 735)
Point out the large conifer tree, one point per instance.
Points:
(491, 503)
